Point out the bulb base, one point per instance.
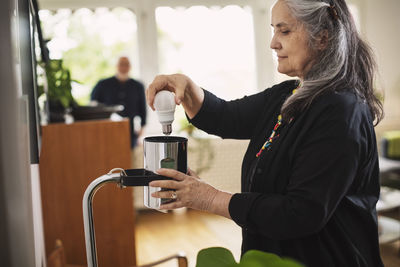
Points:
(166, 129)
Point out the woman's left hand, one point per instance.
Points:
(190, 190)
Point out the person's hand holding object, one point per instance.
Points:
(191, 192)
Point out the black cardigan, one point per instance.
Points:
(312, 195)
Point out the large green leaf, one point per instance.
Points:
(215, 257)
(286, 263)
(251, 263)
(265, 259)
(259, 256)
(222, 257)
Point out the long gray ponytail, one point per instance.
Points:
(347, 63)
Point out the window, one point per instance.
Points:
(90, 42)
(213, 46)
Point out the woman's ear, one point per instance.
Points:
(322, 40)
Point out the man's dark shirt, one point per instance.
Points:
(130, 94)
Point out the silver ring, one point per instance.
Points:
(173, 195)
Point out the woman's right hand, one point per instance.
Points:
(187, 93)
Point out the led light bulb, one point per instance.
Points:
(164, 103)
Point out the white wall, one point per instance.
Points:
(381, 28)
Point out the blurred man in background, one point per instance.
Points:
(123, 90)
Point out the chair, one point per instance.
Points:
(57, 258)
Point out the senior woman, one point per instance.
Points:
(310, 173)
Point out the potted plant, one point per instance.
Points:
(56, 82)
(222, 257)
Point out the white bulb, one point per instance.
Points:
(164, 103)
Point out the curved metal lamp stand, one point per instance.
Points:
(87, 203)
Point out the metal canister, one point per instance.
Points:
(163, 152)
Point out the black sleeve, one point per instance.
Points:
(231, 119)
(96, 92)
(142, 105)
(324, 167)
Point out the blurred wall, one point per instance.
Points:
(381, 28)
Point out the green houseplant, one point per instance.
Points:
(59, 95)
(222, 257)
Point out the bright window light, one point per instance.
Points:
(90, 42)
(214, 46)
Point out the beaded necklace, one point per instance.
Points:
(268, 143)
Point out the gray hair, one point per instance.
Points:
(347, 62)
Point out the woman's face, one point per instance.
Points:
(290, 42)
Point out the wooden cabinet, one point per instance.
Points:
(72, 156)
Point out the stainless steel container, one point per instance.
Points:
(163, 152)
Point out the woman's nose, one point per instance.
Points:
(275, 44)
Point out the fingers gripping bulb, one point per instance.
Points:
(164, 103)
